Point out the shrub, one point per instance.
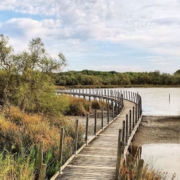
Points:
(98, 104)
(77, 106)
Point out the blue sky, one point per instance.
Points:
(126, 35)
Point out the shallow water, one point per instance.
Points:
(155, 101)
(163, 157)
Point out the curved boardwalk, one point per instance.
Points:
(97, 161)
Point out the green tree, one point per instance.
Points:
(26, 77)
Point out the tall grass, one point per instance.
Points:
(16, 167)
(129, 172)
(20, 130)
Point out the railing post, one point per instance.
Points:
(123, 132)
(102, 118)
(108, 112)
(86, 135)
(140, 169)
(119, 151)
(133, 118)
(41, 167)
(112, 110)
(76, 136)
(61, 149)
(141, 106)
(95, 122)
(136, 113)
(127, 129)
(130, 123)
(116, 107)
(138, 109)
(122, 100)
(119, 105)
(40, 156)
(42, 174)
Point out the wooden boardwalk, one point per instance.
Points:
(97, 161)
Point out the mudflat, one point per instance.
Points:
(158, 130)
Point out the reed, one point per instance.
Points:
(129, 172)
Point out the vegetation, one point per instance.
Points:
(129, 171)
(30, 111)
(112, 78)
(77, 106)
(26, 77)
(20, 168)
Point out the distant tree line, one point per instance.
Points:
(90, 77)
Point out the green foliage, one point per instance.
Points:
(26, 78)
(177, 72)
(111, 78)
(16, 167)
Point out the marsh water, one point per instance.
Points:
(160, 138)
(156, 100)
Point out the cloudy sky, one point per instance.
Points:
(119, 35)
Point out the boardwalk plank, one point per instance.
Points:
(97, 161)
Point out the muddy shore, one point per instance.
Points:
(159, 138)
(159, 130)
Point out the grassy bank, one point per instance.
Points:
(21, 133)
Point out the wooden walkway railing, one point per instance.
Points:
(102, 158)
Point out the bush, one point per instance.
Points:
(98, 104)
(77, 106)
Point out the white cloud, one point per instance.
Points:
(151, 25)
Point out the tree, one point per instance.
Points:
(7, 69)
(177, 72)
(25, 77)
